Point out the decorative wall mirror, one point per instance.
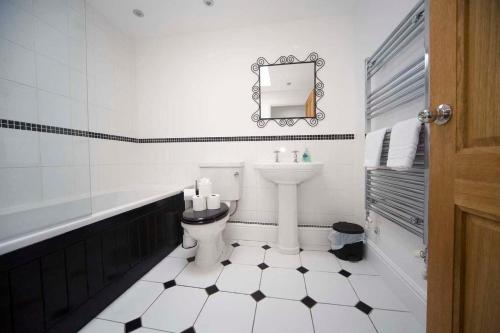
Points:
(288, 90)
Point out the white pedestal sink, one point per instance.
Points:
(288, 176)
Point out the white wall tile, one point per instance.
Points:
(18, 148)
(52, 75)
(58, 182)
(77, 54)
(20, 186)
(17, 63)
(18, 102)
(53, 109)
(16, 24)
(56, 150)
(53, 12)
(51, 42)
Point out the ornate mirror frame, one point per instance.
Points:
(288, 60)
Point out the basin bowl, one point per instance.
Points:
(288, 173)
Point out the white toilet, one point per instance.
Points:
(206, 226)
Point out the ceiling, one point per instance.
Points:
(169, 17)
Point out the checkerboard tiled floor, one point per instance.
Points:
(257, 289)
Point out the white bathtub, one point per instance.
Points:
(27, 225)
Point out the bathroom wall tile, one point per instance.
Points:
(78, 86)
(56, 150)
(52, 76)
(77, 54)
(81, 176)
(80, 151)
(76, 25)
(18, 148)
(79, 115)
(58, 182)
(16, 24)
(77, 5)
(18, 102)
(27, 5)
(17, 63)
(50, 42)
(20, 186)
(53, 12)
(54, 109)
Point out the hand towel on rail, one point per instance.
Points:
(403, 144)
(373, 148)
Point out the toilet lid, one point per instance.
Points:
(205, 216)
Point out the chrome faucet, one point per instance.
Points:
(295, 156)
(277, 156)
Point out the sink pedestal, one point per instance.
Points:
(288, 176)
(288, 231)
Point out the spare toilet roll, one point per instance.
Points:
(199, 203)
(213, 201)
(204, 187)
(188, 194)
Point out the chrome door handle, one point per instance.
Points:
(440, 117)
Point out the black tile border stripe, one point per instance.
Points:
(319, 226)
(24, 126)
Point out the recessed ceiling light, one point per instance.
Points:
(138, 13)
(209, 3)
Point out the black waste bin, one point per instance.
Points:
(350, 251)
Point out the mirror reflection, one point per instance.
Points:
(287, 91)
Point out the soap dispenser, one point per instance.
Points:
(306, 157)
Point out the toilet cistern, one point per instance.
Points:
(288, 176)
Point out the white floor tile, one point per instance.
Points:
(248, 255)
(336, 318)
(331, 288)
(166, 270)
(283, 283)
(175, 310)
(133, 302)
(277, 259)
(373, 291)
(181, 252)
(359, 267)
(395, 322)
(279, 315)
(145, 330)
(100, 326)
(239, 278)
(319, 261)
(226, 313)
(195, 276)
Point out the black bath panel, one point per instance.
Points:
(60, 284)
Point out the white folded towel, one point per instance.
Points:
(403, 144)
(373, 148)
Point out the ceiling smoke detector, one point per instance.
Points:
(209, 3)
(138, 13)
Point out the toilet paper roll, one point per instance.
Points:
(213, 201)
(205, 188)
(199, 203)
(188, 194)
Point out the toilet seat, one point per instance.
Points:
(205, 216)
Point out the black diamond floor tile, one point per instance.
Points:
(133, 325)
(169, 284)
(190, 259)
(331, 251)
(258, 296)
(363, 307)
(189, 330)
(308, 301)
(266, 247)
(302, 269)
(262, 266)
(212, 289)
(344, 273)
(235, 244)
(226, 262)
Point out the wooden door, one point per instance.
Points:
(464, 197)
